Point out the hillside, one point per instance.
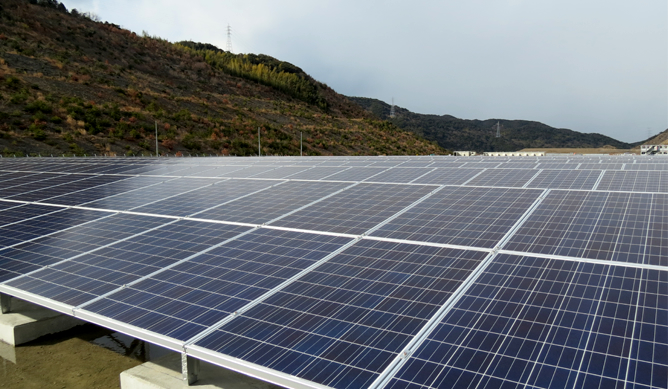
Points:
(70, 84)
(480, 135)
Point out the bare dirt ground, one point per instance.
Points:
(65, 360)
(602, 150)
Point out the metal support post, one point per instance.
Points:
(301, 154)
(258, 142)
(5, 303)
(156, 139)
(189, 369)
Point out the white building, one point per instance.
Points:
(653, 149)
(465, 153)
(515, 154)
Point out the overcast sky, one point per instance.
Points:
(588, 65)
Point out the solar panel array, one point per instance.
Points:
(358, 272)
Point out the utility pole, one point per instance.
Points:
(258, 142)
(498, 130)
(301, 153)
(156, 139)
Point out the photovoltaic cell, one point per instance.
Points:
(19, 212)
(274, 202)
(85, 277)
(357, 209)
(183, 301)
(477, 217)
(598, 225)
(281, 172)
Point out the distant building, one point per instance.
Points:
(465, 153)
(515, 154)
(653, 149)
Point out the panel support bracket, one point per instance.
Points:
(5, 303)
(189, 369)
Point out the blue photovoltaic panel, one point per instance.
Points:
(100, 192)
(183, 301)
(417, 164)
(357, 209)
(343, 323)
(316, 173)
(8, 176)
(656, 251)
(565, 179)
(24, 179)
(399, 174)
(91, 275)
(481, 165)
(446, 176)
(20, 212)
(477, 217)
(274, 202)
(598, 225)
(519, 164)
(191, 203)
(19, 232)
(640, 166)
(62, 245)
(281, 172)
(558, 165)
(634, 181)
(602, 166)
(356, 174)
(137, 198)
(76, 186)
(503, 177)
(530, 322)
(247, 172)
(27, 184)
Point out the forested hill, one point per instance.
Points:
(480, 135)
(70, 84)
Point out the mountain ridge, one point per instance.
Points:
(72, 85)
(480, 135)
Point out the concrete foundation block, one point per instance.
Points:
(165, 373)
(26, 322)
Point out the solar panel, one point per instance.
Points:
(182, 301)
(539, 323)
(29, 229)
(143, 196)
(516, 178)
(355, 210)
(635, 181)
(565, 179)
(444, 176)
(352, 272)
(202, 199)
(272, 203)
(477, 217)
(399, 174)
(147, 245)
(341, 324)
(597, 225)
